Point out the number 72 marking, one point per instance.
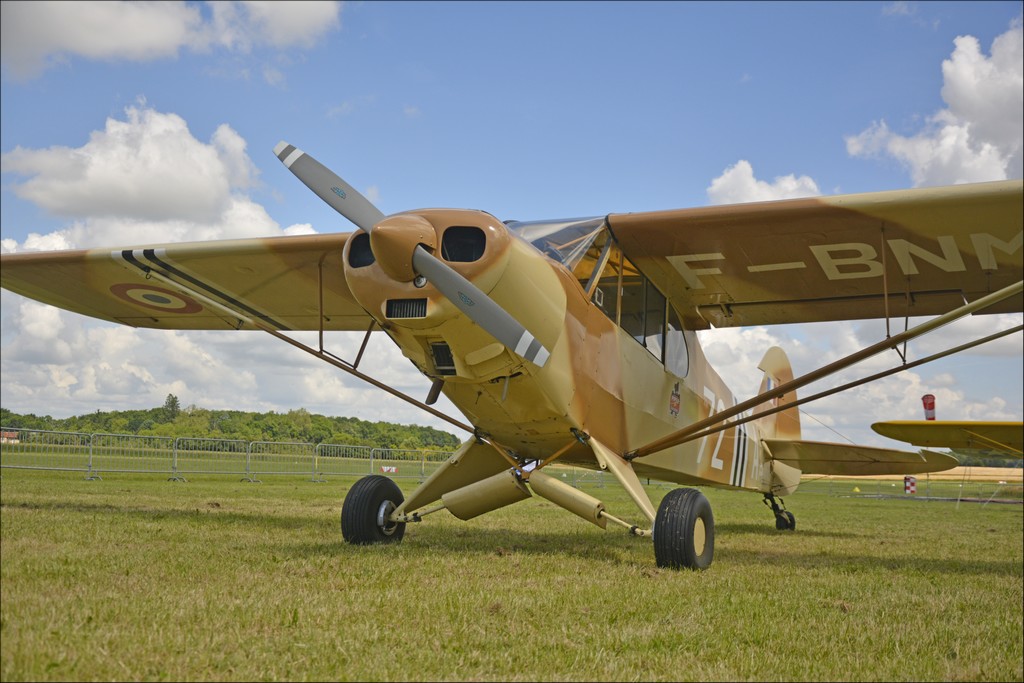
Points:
(716, 405)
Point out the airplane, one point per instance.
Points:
(573, 342)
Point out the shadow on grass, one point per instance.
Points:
(768, 529)
(210, 513)
(608, 548)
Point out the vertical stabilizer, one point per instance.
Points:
(784, 424)
(782, 479)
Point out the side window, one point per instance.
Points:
(654, 320)
(632, 309)
(677, 360)
(628, 298)
(606, 289)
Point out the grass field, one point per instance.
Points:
(137, 578)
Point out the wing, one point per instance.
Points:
(812, 457)
(832, 258)
(289, 283)
(1006, 437)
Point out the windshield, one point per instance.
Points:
(566, 241)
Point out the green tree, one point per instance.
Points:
(171, 408)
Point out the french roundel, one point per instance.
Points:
(156, 298)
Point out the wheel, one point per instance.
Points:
(366, 509)
(785, 521)
(684, 531)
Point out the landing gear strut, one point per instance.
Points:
(784, 519)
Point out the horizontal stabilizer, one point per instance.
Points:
(1005, 438)
(813, 457)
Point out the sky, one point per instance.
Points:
(125, 124)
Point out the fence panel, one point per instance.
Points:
(211, 456)
(132, 453)
(280, 457)
(44, 450)
(339, 460)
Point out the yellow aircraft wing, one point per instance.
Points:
(812, 457)
(832, 258)
(289, 283)
(1007, 437)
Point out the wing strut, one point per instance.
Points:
(684, 434)
(850, 385)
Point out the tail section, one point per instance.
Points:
(787, 456)
(778, 477)
(784, 424)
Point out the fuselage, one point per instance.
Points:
(621, 370)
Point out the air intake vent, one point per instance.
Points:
(444, 363)
(407, 308)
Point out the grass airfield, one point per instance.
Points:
(137, 578)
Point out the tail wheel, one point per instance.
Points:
(684, 531)
(364, 515)
(785, 521)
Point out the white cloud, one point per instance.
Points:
(899, 8)
(147, 167)
(58, 363)
(35, 35)
(144, 179)
(38, 35)
(979, 136)
(737, 184)
(283, 24)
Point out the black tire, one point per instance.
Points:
(370, 498)
(684, 531)
(785, 521)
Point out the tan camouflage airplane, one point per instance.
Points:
(574, 341)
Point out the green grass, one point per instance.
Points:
(137, 578)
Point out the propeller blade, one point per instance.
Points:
(480, 308)
(329, 187)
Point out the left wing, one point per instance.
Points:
(813, 457)
(288, 283)
(832, 258)
(1005, 437)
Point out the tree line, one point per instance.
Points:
(298, 425)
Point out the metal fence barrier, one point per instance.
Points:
(130, 453)
(210, 456)
(177, 458)
(43, 450)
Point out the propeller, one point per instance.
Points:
(466, 296)
(329, 187)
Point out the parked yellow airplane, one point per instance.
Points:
(573, 341)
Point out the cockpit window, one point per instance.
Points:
(585, 246)
(567, 241)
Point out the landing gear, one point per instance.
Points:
(364, 515)
(684, 531)
(784, 519)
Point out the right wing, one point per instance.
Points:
(879, 254)
(287, 283)
(1005, 437)
(813, 457)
